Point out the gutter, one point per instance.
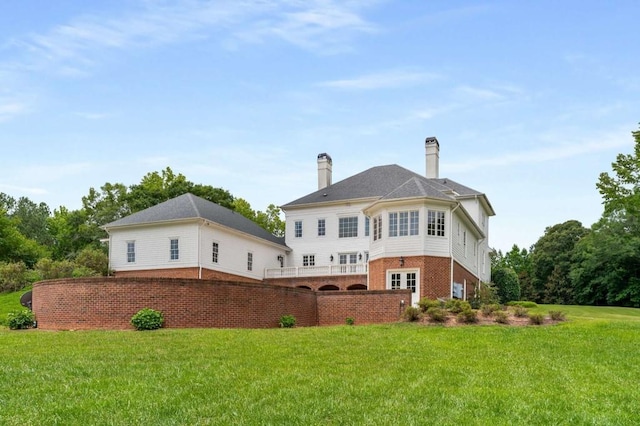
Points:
(451, 247)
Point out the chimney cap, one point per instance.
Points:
(324, 155)
(432, 139)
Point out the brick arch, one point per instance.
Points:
(357, 287)
(304, 286)
(329, 287)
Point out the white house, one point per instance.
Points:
(190, 237)
(401, 229)
(384, 228)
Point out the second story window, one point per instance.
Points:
(174, 250)
(402, 224)
(321, 227)
(131, 251)
(249, 261)
(377, 228)
(214, 257)
(298, 229)
(348, 227)
(309, 260)
(435, 223)
(366, 226)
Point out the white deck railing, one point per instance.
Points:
(316, 271)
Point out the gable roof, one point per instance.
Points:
(189, 206)
(387, 182)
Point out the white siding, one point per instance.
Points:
(323, 247)
(152, 247)
(195, 240)
(232, 252)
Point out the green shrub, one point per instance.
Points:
(468, 316)
(507, 283)
(520, 311)
(501, 317)
(557, 315)
(147, 319)
(456, 305)
(425, 303)
(523, 303)
(436, 314)
(488, 310)
(536, 319)
(411, 314)
(13, 276)
(20, 320)
(484, 294)
(287, 321)
(350, 321)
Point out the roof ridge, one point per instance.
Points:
(193, 203)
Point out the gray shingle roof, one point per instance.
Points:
(189, 206)
(388, 182)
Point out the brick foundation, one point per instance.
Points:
(109, 303)
(460, 273)
(435, 275)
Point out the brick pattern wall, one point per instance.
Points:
(193, 273)
(314, 283)
(435, 273)
(364, 306)
(460, 273)
(109, 303)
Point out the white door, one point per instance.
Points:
(350, 259)
(401, 279)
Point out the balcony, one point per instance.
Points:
(317, 271)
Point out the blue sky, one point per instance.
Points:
(530, 100)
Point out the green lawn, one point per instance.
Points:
(583, 371)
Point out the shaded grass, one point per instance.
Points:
(10, 302)
(579, 372)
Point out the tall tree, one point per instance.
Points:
(551, 262)
(520, 261)
(621, 192)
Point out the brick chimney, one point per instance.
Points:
(432, 149)
(324, 170)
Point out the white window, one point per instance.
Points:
(322, 229)
(377, 228)
(215, 249)
(348, 227)
(131, 251)
(309, 260)
(298, 229)
(404, 223)
(435, 223)
(366, 226)
(174, 250)
(395, 281)
(249, 261)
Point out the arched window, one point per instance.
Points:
(357, 287)
(329, 287)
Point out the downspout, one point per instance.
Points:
(451, 249)
(199, 249)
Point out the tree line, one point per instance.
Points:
(37, 243)
(572, 264)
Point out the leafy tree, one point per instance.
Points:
(15, 247)
(507, 284)
(70, 232)
(621, 192)
(271, 220)
(606, 264)
(32, 220)
(520, 261)
(551, 262)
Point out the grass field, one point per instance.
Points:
(583, 371)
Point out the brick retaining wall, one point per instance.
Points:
(109, 303)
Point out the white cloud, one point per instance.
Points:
(382, 80)
(10, 108)
(75, 46)
(23, 189)
(576, 148)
